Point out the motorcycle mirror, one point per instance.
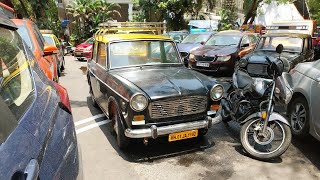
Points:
(279, 49)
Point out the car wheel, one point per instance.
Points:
(122, 140)
(299, 117)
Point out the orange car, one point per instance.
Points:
(43, 52)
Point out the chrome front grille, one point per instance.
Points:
(205, 58)
(258, 69)
(178, 107)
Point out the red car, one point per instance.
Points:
(83, 50)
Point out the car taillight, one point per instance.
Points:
(64, 98)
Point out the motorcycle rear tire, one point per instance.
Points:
(261, 156)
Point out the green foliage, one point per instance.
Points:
(314, 8)
(228, 15)
(88, 14)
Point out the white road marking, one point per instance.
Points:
(77, 123)
(91, 126)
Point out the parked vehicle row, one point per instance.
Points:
(37, 133)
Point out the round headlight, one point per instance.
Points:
(138, 102)
(216, 92)
(243, 63)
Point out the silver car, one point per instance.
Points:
(304, 106)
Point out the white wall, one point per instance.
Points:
(275, 12)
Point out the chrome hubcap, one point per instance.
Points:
(298, 117)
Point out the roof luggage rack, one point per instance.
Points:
(131, 27)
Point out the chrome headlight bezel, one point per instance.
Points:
(134, 99)
(223, 58)
(213, 92)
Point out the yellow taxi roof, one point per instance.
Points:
(51, 35)
(116, 37)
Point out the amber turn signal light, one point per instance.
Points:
(138, 117)
(215, 107)
(264, 114)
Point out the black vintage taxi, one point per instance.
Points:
(297, 48)
(140, 82)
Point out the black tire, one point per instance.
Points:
(286, 141)
(300, 126)
(122, 141)
(202, 132)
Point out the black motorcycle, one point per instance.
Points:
(264, 134)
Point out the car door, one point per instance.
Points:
(315, 98)
(99, 68)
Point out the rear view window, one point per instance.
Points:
(23, 32)
(49, 40)
(16, 84)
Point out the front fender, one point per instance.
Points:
(273, 117)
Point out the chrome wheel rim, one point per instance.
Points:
(277, 138)
(298, 117)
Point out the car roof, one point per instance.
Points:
(118, 37)
(298, 35)
(232, 32)
(207, 32)
(6, 22)
(51, 35)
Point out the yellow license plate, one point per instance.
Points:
(183, 135)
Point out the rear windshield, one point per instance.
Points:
(196, 38)
(16, 84)
(24, 33)
(49, 40)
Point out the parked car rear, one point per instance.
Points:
(37, 133)
(35, 41)
(84, 50)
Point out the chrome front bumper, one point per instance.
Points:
(154, 131)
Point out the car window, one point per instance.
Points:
(89, 41)
(39, 36)
(49, 40)
(16, 84)
(102, 54)
(245, 40)
(223, 40)
(24, 33)
(290, 44)
(196, 38)
(145, 52)
(253, 39)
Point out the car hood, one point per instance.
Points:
(215, 50)
(308, 69)
(258, 54)
(187, 47)
(82, 46)
(168, 82)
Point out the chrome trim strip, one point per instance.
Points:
(108, 86)
(154, 131)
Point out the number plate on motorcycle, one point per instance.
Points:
(183, 135)
(202, 64)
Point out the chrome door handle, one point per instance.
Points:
(32, 170)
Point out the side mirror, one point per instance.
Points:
(245, 45)
(279, 48)
(49, 50)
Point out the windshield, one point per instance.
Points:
(223, 40)
(16, 85)
(290, 44)
(89, 41)
(49, 40)
(196, 38)
(23, 32)
(135, 53)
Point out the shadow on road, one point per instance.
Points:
(156, 149)
(310, 148)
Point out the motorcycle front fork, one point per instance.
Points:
(269, 110)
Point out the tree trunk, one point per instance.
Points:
(252, 12)
(24, 8)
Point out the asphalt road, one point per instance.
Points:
(217, 156)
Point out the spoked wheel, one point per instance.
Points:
(273, 143)
(299, 117)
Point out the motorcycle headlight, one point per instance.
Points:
(223, 58)
(138, 102)
(216, 92)
(191, 56)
